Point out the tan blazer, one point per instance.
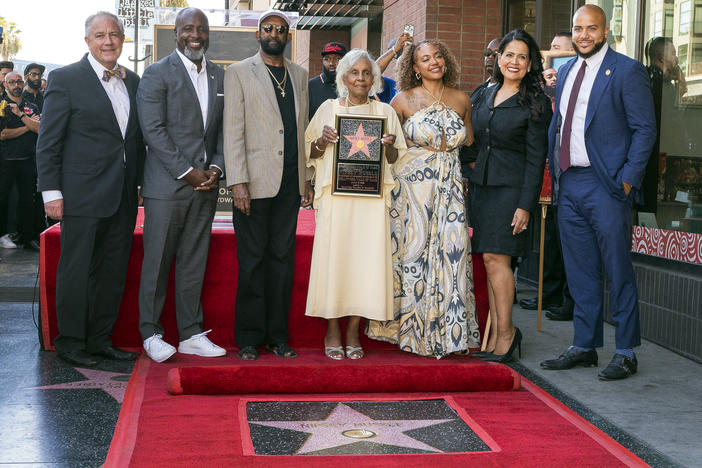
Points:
(253, 128)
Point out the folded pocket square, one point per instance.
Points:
(220, 94)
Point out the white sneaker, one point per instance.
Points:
(201, 345)
(157, 349)
(6, 242)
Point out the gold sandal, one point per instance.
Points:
(354, 352)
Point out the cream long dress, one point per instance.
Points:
(351, 271)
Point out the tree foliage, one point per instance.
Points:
(174, 3)
(11, 43)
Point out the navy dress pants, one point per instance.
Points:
(595, 229)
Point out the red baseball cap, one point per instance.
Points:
(334, 48)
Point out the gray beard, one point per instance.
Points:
(194, 55)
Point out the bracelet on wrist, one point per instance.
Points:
(317, 147)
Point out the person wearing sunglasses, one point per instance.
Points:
(17, 147)
(32, 85)
(265, 116)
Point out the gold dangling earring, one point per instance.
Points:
(418, 76)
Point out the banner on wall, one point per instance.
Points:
(126, 11)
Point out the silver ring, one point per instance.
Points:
(524, 228)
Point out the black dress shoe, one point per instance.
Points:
(563, 313)
(620, 367)
(116, 354)
(571, 358)
(79, 357)
(532, 304)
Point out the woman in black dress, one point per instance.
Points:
(510, 125)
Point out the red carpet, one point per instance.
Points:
(520, 428)
(219, 291)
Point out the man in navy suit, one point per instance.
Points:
(600, 139)
(90, 155)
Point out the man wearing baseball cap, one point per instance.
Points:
(323, 86)
(32, 88)
(265, 116)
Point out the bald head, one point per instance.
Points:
(14, 85)
(495, 43)
(589, 30)
(594, 12)
(186, 13)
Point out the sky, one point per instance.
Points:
(53, 31)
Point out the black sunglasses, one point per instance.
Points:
(268, 28)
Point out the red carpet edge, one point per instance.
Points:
(609, 444)
(122, 446)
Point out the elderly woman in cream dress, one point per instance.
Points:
(351, 272)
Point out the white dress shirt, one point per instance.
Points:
(199, 80)
(201, 85)
(119, 98)
(578, 151)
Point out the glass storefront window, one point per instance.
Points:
(672, 51)
(674, 60)
(623, 20)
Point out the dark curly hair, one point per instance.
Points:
(405, 73)
(531, 91)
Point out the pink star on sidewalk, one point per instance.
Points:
(114, 383)
(359, 142)
(346, 426)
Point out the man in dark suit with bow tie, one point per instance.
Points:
(600, 139)
(180, 102)
(90, 156)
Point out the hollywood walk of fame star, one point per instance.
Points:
(113, 383)
(345, 425)
(359, 142)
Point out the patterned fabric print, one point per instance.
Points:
(434, 303)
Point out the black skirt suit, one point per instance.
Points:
(508, 173)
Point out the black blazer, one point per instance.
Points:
(512, 147)
(80, 150)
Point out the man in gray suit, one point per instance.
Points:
(180, 105)
(265, 116)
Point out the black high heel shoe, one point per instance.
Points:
(480, 354)
(507, 357)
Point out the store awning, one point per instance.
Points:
(331, 14)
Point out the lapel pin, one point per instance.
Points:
(607, 72)
(212, 76)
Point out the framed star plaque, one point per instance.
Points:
(359, 155)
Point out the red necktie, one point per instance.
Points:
(564, 156)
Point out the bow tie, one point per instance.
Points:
(117, 72)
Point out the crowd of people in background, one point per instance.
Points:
(402, 260)
(21, 101)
